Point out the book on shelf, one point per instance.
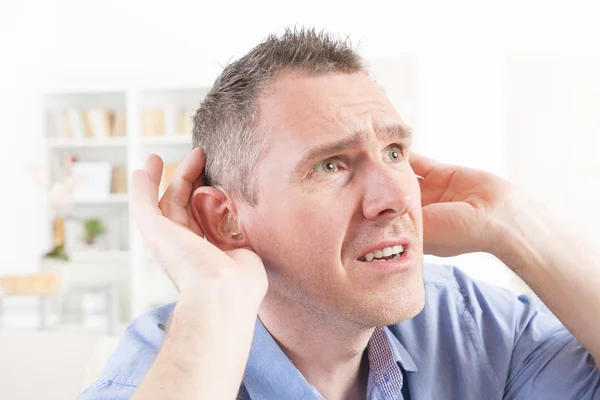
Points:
(62, 128)
(100, 123)
(119, 180)
(76, 124)
(153, 122)
(118, 124)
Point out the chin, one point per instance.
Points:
(405, 313)
(406, 306)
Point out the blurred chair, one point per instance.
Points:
(48, 286)
(50, 365)
(44, 286)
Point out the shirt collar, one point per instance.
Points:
(270, 374)
(400, 353)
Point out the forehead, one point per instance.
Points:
(311, 109)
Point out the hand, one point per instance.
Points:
(176, 241)
(460, 206)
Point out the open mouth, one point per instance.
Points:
(385, 254)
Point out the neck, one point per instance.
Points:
(330, 353)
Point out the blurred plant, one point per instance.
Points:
(57, 253)
(92, 228)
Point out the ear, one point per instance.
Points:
(215, 213)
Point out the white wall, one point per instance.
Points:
(459, 48)
(553, 102)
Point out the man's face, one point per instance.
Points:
(333, 185)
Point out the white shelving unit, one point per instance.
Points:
(73, 143)
(115, 198)
(140, 282)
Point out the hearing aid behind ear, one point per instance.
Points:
(228, 225)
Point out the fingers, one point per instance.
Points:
(153, 169)
(422, 165)
(432, 185)
(187, 176)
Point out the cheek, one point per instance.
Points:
(299, 235)
(317, 227)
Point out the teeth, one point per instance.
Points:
(385, 252)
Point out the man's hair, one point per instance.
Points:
(226, 124)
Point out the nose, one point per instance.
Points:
(388, 192)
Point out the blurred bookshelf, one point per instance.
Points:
(168, 140)
(105, 135)
(71, 143)
(113, 198)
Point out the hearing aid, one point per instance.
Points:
(228, 225)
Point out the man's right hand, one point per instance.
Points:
(195, 266)
(210, 333)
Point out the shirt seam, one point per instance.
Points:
(443, 284)
(120, 383)
(469, 322)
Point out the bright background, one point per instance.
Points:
(512, 87)
(509, 87)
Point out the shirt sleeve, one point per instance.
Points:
(530, 352)
(547, 361)
(128, 365)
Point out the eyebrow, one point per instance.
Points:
(323, 151)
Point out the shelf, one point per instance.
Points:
(96, 256)
(124, 269)
(120, 198)
(168, 139)
(69, 143)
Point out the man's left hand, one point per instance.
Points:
(460, 206)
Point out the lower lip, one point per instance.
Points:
(404, 262)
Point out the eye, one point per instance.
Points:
(329, 166)
(394, 153)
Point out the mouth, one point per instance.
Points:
(388, 255)
(384, 254)
(385, 251)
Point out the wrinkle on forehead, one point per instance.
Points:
(301, 110)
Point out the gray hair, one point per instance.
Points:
(226, 124)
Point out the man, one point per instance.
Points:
(317, 222)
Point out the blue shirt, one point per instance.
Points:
(471, 341)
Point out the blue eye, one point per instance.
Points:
(394, 153)
(328, 166)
